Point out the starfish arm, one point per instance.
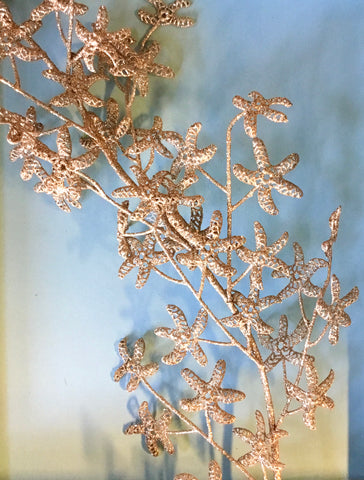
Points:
(295, 392)
(192, 404)
(215, 472)
(298, 334)
(178, 317)
(260, 236)
(185, 476)
(133, 383)
(62, 100)
(284, 187)
(250, 123)
(218, 373)
(278, 245)
(234, 321)
(143, 275)
(241, 103)
(350, 297)
(260, 422)
(245, 434)
(248, 459)
(266, 341)
(220, 268)
(149, 369)
(174, 357)
(139, 349)
(120, 372)
(265, 201)
(126, 192)
(164, 332)
(326, 384)
(260, 154)
(213, 231)
(323, 310)
(287, 164)
(335, 288)
(126, 267)
(194, 381)
(134, 429)
(283, 327)
(272, 360)
(256, 280)
(123, 350)
(146, 17)
(198, 354)
(199, 324)
(275, 116)
(230, 395)
(219, 415)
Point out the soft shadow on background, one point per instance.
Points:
(64, 309)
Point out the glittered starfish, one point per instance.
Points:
(263, 256)
(166, 14)
(189, 156)
(334, 314)
(262, 443)
(12, 36)
(185, 337)
(154, 431)
(69, 7)
(249, 314)
(152, 200)
(214, 473)
(111, 45)
(77, 86)
(142, 255)
(282, 346)
(138, 66)
(300, 274)
(260, 106)
(132, 364)
(314, 397)
(269, 177)
(210, 393)
(65, 168)
(152, 138)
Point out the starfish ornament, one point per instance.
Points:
(185, 337)
(269, 176)
(282, 346)
(334, 314)
(12, 36)
(262, 444)
(77, 86)
(210, 393)
(300, 274)
(260, 106)
(69, 7)
(314, 397)
(166, 14)
(132, 365)
(263, 256)
(189, 156)
(154, 431)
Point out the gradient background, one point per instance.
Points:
(64, 308)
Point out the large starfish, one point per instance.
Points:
(77, 86)
(262, 444)
(132, 364)
(263, 256)
(260, 106)
(334, 314)
(154, 431)
(166, 14)
(315, 395)
(300, 274)
(185, 337)
(69, 7)
(111, 45)
(12, 36)
(282, 346)
(268, 176)
(210, 393)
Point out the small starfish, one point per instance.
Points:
(189, 156)
(69, 7)
(314, 397)
(269, 176)
(152, 200)
(300, 274)
(166, 14)
(65, 168)
(214, 473)
(185, 337)
(260, 106)
(155, 431)
(152, 138)
(248, 316)
(111, 45)
(77, 86)
(334, 314)
(142, 255)
(263, 256)
(262, 444)
(12, 36)
(282, 346)
(132, 364)
(137, 66)
(210, 393)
